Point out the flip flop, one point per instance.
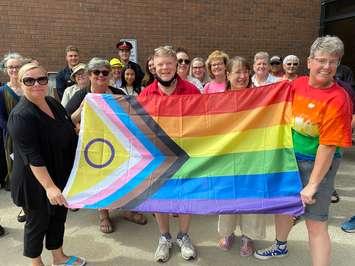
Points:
(72, 261)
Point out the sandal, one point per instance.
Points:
(226, 242)
(335, 197)
(135, 217)
(246, 246)
(106, 225)
(72, 261)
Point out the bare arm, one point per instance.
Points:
(54, 194)
(76, 116)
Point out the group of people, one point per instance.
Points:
(33, 124)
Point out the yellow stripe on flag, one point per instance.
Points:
(99, 153)
(268, 138)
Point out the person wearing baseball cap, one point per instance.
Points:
(117, 67)
(276, 66)
(124, 52)
(290, 66)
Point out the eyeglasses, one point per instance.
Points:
(80, 73)
(217, 64)
(186, 61)
(324, 61)
(241, 72)
(275, 63)
(31, 81)
(103, 72)
(292, 64)
(198, 67)
(13, 67)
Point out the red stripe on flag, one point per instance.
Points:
(216, 103)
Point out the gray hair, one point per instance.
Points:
(164, 51)
(261, 55)
(205, 76)
(96, 63)
(291, 57)
(10, 56)
(327, 44)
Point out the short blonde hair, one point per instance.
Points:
(165, 50)
(216, 55)
(27, 67)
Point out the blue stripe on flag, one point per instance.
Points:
(232, 187)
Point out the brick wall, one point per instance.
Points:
(43, 28)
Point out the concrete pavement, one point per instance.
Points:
(134, 245)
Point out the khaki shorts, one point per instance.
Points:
(320, 209)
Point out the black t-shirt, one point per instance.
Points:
(78, 97)
(40, 140)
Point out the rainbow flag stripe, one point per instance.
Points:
(201, 154)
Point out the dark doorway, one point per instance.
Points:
(338, 18)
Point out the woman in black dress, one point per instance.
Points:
(44, 148)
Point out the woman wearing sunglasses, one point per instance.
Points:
(183, 66)
(290, 65)
(44, 142)
(99, 71)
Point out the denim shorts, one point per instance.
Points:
(320, 209)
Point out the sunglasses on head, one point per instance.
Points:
(103, 72)
(275, 63)
(31, 81)
(292, 64)
(186, 61)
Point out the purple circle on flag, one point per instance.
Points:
(86, 155)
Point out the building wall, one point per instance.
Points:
(41, 29)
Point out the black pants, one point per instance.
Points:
(3, 167)
(44, 223)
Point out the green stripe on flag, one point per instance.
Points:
(260, 162)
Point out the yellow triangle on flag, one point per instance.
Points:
(101, 154)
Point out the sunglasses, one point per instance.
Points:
(103, 72)
(31, 81)
(275, 63)
(186, 61)
(292, 64)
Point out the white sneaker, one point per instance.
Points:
(162, 252)
(188, 251)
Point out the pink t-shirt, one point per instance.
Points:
(213, 86)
